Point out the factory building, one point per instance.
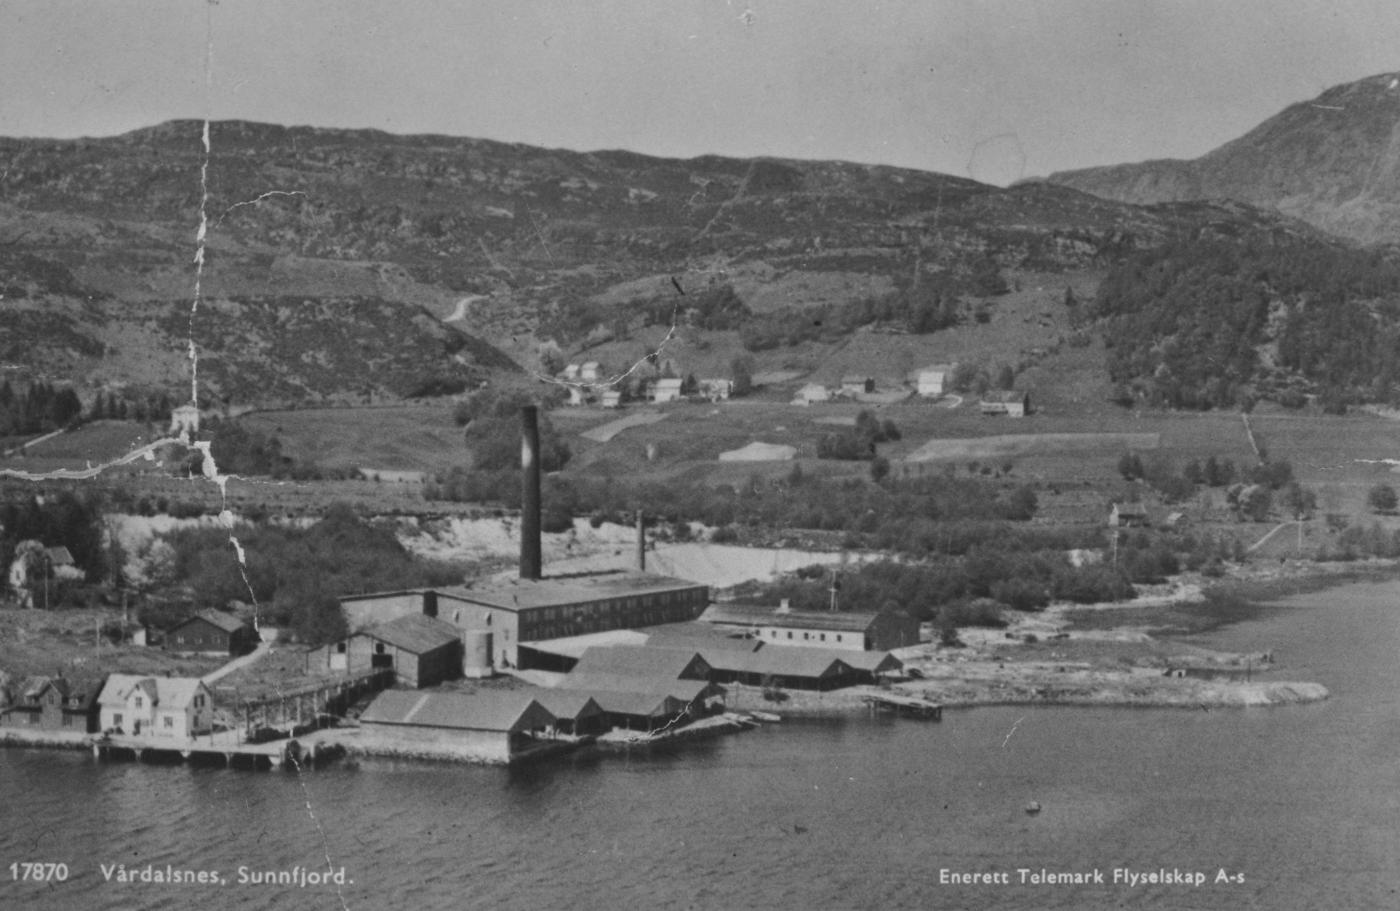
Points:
(495, 618)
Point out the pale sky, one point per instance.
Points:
(993, 90)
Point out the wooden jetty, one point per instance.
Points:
(912, 706)
(222, 748)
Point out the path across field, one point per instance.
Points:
(1028, 443)
(605, 432)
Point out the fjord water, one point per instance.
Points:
(857, 813)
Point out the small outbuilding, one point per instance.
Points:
(184, 420)
(1007, 402)
(812, 393)
(1128, 515)
(61, 564)
(857, 384)
(212, 632)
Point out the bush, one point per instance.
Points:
(1382, 498)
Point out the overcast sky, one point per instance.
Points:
(993, 90)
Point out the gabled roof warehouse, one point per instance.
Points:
(794, 668)
(414, 633)
(643, 661)
(485, 710)
(488, 725)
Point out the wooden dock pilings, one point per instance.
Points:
(911, 706)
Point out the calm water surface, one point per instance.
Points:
(1302, 801)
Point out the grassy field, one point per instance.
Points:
(405, 437)
(94, 443)
(49, 642)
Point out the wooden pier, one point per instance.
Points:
(223, 748)
(912, 706)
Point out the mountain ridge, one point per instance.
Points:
(1332, 161)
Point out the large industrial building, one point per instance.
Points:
(506, 614)
(495, 618)
(852, 631)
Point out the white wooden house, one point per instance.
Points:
(175, 707)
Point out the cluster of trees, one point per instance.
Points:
(858, 442)
(294, 574)
(240, 450)
(110, 406)
(1382, 498)
(913, 515)
(972, 589)
(1184, 321)
(491, 417)
(68, 519)
(40, 409)
(1359, 542)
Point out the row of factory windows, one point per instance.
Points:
(772, 633)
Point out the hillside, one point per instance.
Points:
(1333, 161)
(344, 265)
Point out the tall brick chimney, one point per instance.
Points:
(531, 561)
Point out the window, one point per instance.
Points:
(169, 722)
(117, 720)
(340, 648)
(823, 637)
(789, 634)
(68, 721)
(379, 648)
(138, 702)
(199, 702)
(806, 635)
(838, 637)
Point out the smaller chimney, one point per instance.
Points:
(641, 543)
(531, 558)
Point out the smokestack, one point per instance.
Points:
(531, 563)
(641, 543)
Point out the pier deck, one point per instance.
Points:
(906, 705)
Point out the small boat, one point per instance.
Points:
(1033, 808)
(767, 716)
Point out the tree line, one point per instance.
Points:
(1185, 323)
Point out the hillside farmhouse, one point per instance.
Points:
(812, 393)
(716, 390)
(933, 381)
(1128, 515)
(1007, 402)
(666, 389)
